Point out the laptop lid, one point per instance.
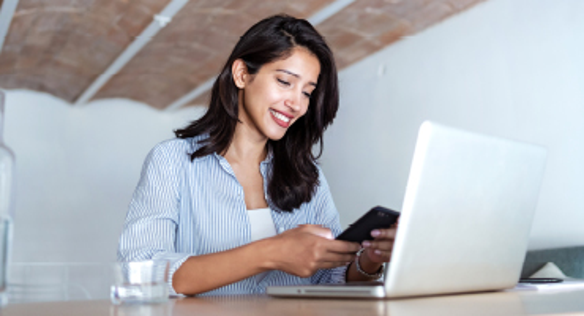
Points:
(466, 215)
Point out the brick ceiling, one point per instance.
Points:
(62, 46)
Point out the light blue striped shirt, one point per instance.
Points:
(182, 208)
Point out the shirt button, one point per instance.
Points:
(280, 229)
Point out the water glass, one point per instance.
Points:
(140, 282)
(5, 243)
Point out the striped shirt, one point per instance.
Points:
(184, 208)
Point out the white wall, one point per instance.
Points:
(77, 168)
(512, 68)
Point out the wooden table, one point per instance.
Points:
(492, 304)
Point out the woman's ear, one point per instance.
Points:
(239, 71)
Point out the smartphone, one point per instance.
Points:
(377, 217)
(540, 280)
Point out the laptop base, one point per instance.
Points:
(342, 291)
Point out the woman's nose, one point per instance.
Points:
(293, 101)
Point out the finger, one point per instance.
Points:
(381, 256)
(336, 257)
(382, 253)
(381, 245)
(384, 233)
(340, 246)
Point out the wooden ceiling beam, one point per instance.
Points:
(6, 13)
(329, 11)
(315, 19)
(159, 21)
(195, 93)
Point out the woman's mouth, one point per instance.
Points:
(281, 119)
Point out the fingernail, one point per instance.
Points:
(366, 244)
(375, 233)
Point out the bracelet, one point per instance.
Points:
(376, 275)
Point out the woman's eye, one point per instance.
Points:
(285, 83)
(306, 94)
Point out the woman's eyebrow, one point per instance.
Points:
(295, 75)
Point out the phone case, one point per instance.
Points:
(377, 217)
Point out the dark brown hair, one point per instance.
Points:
(294, 177)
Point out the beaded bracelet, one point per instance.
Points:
(376, 275)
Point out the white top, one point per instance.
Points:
(262, 226)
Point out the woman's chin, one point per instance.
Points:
(276, 134)
(276, 138)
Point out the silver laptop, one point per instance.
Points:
(465, 220)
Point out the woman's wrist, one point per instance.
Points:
(264, 251)
(367, 264)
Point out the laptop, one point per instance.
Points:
(465, 221)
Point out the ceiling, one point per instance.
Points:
(166, 53)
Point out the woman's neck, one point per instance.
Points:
(245, 147)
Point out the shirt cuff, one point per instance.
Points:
(338, 275)
(176, 260)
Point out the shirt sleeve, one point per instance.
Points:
(326, 214)
(150, 227)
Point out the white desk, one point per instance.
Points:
(492, 304)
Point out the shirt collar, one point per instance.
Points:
(266, 160)
(269, 156)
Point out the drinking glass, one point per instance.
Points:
(6, 206)
(140, 282)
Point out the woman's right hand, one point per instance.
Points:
(304, 250)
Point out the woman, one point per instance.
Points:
(236, 202)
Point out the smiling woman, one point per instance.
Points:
(279, 93)
(296, 57)
(237, 202)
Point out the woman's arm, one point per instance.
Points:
(151, 222)
(204, 273)
(300, 251)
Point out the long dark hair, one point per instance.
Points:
(294, 175)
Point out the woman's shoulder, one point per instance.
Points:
(322, 189)
(178, 147)
(321, 178)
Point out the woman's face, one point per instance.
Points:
(278, 94)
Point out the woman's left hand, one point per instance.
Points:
(379, 249)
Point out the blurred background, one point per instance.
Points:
(92, 85)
